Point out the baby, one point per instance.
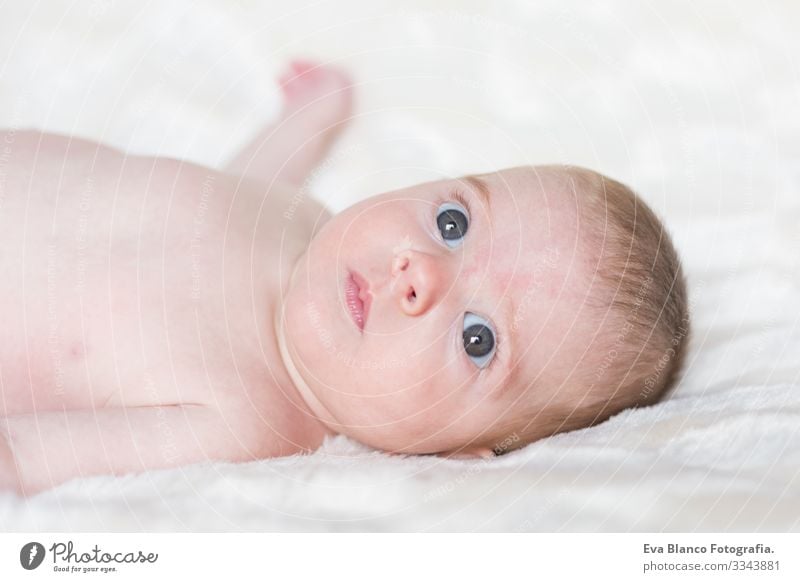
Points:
(158, 313)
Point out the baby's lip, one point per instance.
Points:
(358, 298)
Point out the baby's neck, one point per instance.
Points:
(303, 389)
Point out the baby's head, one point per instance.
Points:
(497, 310)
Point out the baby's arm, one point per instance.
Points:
(317, 105)
(8, 472)
(52, 447)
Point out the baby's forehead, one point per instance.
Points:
(527, 206)
(528, 195)
(541, 183)
(535, 249)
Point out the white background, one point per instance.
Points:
(694, 104)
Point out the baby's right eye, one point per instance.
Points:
(452, 221)
(479, 340)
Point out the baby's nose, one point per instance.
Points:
(417, 281)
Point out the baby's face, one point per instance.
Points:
(469, 292)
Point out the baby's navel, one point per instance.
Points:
(76, 350)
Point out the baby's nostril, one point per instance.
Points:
(412, 296)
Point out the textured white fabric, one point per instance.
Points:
(694, 104)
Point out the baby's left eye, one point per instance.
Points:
(452, 221)
(478, 339)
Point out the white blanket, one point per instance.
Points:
(695, 105)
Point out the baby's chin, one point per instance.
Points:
(402, 442)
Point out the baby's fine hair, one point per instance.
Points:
(642, 302)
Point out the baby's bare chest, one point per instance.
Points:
(132, 282)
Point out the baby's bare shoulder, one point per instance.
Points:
(23, 144)
(50, 163)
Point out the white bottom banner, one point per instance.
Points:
(285, 557)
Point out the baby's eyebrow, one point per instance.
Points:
(481, 187)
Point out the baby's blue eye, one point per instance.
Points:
(453, 223)
(478, 339)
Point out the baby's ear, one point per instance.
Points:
(470, 453)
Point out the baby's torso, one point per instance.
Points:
(131, 281)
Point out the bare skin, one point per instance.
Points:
(138, 298)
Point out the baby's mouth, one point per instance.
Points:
(358, 298)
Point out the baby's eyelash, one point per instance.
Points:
(458, 196)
